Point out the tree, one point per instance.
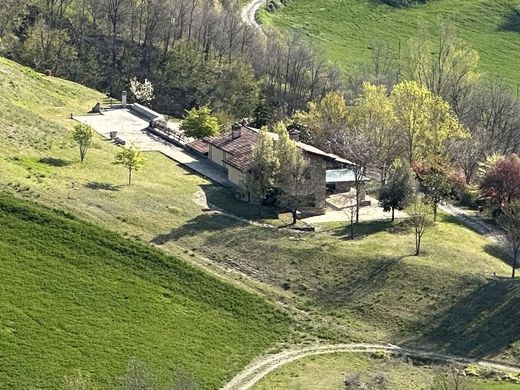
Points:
(425, 122)
(399, 191)
(183, 380)
(260, 178)
(138, 376)
(132, 159)
(83, 134)
(501, 182)
(324, 119)
(291, 175)
(448, 68)
(143, 92)
(78, 381)
(451, 378)
(509, 221)
(436, 187)
(421, 220)
(199, 123)
(372, 114)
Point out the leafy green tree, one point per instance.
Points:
(425, 122)
(372, 114)
(509, 222)
(260, 178)
(325, 119)
(436, 187)
(199, 123)
(235, 90)
(291, 175)
(421, 220)
(83, 135)
(132, 159)
(399, 191)
(48, 48)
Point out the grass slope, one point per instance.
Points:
(445, 299)
(77, 296)
(330, 371)
(345, 29)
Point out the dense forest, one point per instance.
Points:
(195, 52)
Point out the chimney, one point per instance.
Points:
(236, 130)
(294, 135)
(123, 99)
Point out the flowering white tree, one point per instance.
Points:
(143, 92)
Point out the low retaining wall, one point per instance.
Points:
(147, 112)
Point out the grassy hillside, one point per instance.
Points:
(368, 289)
(330, 371)
(77, 296)
(345, 29)
(446, 299)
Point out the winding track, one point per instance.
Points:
(263, 366)
(249, 12)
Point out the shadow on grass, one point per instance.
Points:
(224, 199)
(357, 287)
(479, 227)
(199, 224)
(512, 21)
(481, 324)
(94, 185)
(54, 162)
(500, 252)
(363, 229)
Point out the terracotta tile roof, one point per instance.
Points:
(242, 144)
(240, 161)
(199, 146)
(240, 149)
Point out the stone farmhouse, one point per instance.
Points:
(232, 150)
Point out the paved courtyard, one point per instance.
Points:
(132, 128)
(366, 213)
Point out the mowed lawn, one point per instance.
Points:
(75, 296)
(346, 29)
(373, 288)
(330, 371)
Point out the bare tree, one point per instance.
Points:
(421, 220)
(509, 221)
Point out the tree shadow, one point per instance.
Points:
(202, 223)
(499, 251)
(94, 185)
(482, 324)
(225, 200)
(512, 21)
(363, 229)
(480, 227)
(55, 162)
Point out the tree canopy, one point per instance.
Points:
(199, 123)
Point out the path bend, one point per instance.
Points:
(263, 366)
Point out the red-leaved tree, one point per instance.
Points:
(502, 181)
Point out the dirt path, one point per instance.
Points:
(474, 223)
(263, 366)
(249, 14)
